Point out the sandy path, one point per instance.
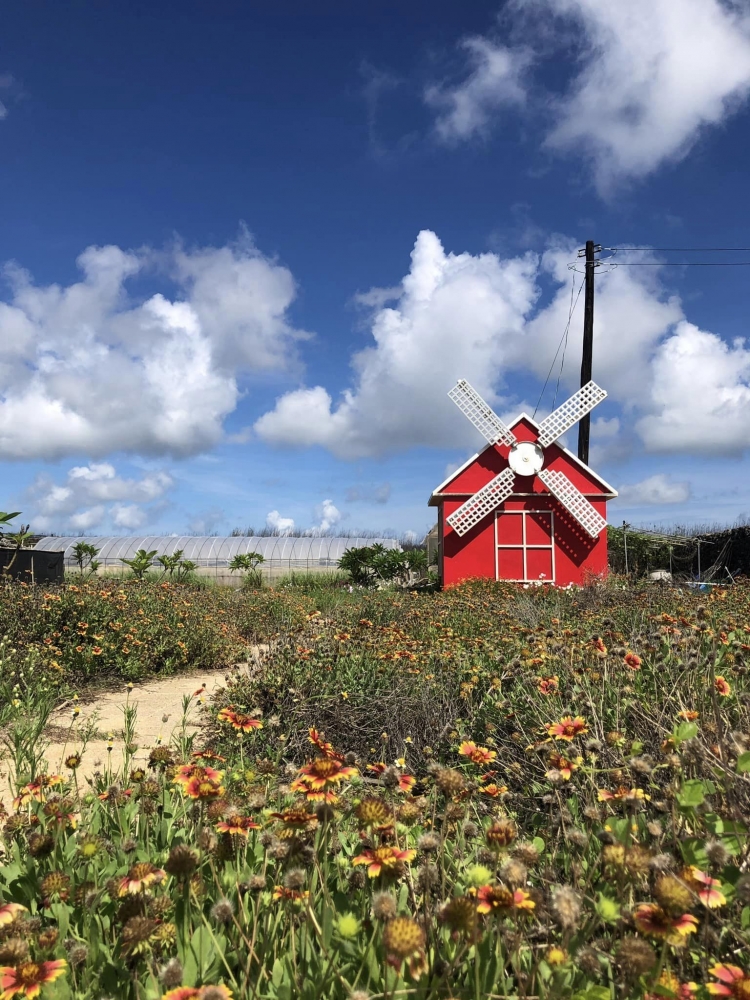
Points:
(159, 706)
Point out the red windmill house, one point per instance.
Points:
(524, 508)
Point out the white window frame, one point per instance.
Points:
(524, 546)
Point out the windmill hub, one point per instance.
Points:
(526, 458)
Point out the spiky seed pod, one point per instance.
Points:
(159, 907)
(207, 840)
(501, 833)
(128, 845)
(460, 914)
(403, 937)
(222, 911)
(409, 813)
(673, 895)
(593, 813)
(486, 857)
(48, 938)
(131, 906)
(655, 828)
(256, 801)
(40, 845)
(428, 877)
(588, 962)
(449, 781)
(470, 830)
(213, 993)
(216, 809)
(578, 838)
(526, 853)
(78, 955)
(390, 777)
(428, 843)
(637, 859)
(454, 812)
(742, 889)
(279, 850)
(325, 812)
(565, 907)
(136, 932)
(384, 906)
(14, 951)
(267, 838)
(641, 765)
(717, 853)
(662, 863)
(357, 878)
(55, 884)
(182, 860)
(514, 873)
(150, 789)
(359, 995)
(171, 974)
(635, 957)
(256, 883)
(372, 811)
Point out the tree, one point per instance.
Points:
(171, 563)
(249, 562)
(373, 564)
(6, 518)
(140, 562)
(84, 553)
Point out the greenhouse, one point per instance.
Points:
(212, 555)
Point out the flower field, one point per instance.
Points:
(488, 792)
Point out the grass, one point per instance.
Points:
(482, 793)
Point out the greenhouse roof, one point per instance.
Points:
(212, 550)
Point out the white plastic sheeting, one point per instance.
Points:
(281, 553)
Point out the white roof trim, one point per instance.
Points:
(574, 458)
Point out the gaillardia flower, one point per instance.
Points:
(733, 982)
(568, 728)
(27, 979)
(318, 779)
(388, 860)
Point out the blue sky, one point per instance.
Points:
(248, 251)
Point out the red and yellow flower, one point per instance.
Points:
(185, 773)
(27, 978)
(547, 685)
(622, 794)
(386, 860)
(568, 728)
(500, 899)
(199, 993)
(633, 660)
(9, 912)
(318, 779)
(565, 765)
(477, 755)
(290, 895)
(404, 941)
(237, 826)
(140, 877)
(723, 687)
(239, 721)
(732, 982)
(652, 920)
(707, 889)
(202, 788)
(405, 781)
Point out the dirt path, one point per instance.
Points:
(159, 705)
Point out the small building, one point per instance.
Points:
(530, 537)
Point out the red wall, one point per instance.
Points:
(473, 555)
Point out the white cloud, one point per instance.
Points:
(207, 521)
(369, 493)
(647, 78)
(86, 369)
(276, 522)
(700, 395)
(658, 489)
(93, 493)
(328, 516)
(456, 314)
(655, 73)
(495, 80)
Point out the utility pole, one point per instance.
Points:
(584, 424)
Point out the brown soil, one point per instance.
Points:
(159, 706)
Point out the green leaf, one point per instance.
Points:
(593, 992)
(743, 762)
(745, 918)
(539, 844)
(277, 973)
(692, 793)
(685, 731)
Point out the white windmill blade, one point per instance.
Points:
(482, 503)
(571, 498)
(484, 418)
(563, 418)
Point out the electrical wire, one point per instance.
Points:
(681, 249)
(564, 339)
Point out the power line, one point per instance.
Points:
(682, 249)
(564, 339)
(680, 263)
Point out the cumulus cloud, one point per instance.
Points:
(327, 516)
(700, 395)
(276, 522)
(206, 522)
(94, 493)
(658, 489)
(455, 313)
(647, 78)
(495, 80)
(655, 73)
(86, 369)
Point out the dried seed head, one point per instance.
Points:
(717, 853)
(14, 951)
(641, 765)
(403, 937)
(637, 859)
(372, 811)
(578, 838)
(357, 878)
(294, 879)
(471, 830)
(460, 914)
(278, 850)
(514, 873)
(635, 957)
(673, 895)
(256, 883)
(207, 840)
(526, 852)
(662, 863)
(566, 907)
(409, 813)
(742, 888)
(78, 955)
(501, 833)
(171, 973)
(428, 877)
(428, 843)
(384, 906)
(182, 860)
(390, 777)
(137, 931)
(454, 812)
(359, 995)
(222, 911)
(588, 962)
(449, 781)
(655, 828)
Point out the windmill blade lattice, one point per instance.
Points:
(484, 418)
(571, 411)
(482, 503)
(574, 501)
